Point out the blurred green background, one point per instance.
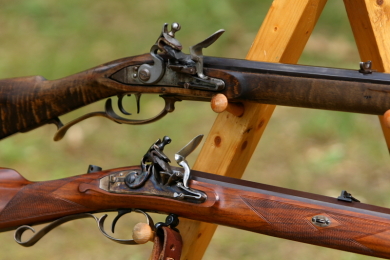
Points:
(316, 151)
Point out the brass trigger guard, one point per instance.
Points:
(110, 114)
(100, 221)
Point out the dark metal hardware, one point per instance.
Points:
(345, 196)
(172, 221)
(156, 177)
(365, 67)
(321, 221)
(93, 168)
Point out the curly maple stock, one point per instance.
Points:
(29, 102)
(260, 208)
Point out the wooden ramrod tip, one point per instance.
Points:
(220, 103)
(142, 233)
(386, 118)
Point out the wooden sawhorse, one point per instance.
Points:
(281, 38)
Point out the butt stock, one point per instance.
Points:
(279, 212)
(30, 102)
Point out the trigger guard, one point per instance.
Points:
(109, 113)
(169, 107)
(101, 220)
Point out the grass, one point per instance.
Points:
(316, 151)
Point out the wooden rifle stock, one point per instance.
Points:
(30, 102)
(279, 212)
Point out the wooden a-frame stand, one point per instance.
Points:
(281, 38)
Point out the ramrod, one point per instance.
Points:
(29, 102)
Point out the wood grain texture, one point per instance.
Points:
(370, 24)
(232, 140)
(265, 209)
(27, 103)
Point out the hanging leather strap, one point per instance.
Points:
(167, 245)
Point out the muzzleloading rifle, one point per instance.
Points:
(155, 186)
(29, 102)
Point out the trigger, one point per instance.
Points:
(137, 99)
(120, 105)
(121, 212)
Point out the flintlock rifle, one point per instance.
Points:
(29, 102)
(155, 186)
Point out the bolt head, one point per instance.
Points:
(144, 74)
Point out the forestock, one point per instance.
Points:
(279, 212)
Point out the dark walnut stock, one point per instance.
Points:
(27, 103)
(260, 208)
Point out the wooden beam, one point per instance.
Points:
(370, 24)
(232, 140)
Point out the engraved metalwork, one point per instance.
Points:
(100, 221)
(156, 177)
(321, 221)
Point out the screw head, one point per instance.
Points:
(144, 74)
